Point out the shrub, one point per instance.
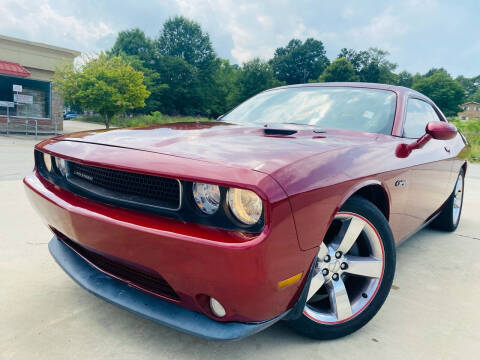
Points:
(143, 120)
(471, 130)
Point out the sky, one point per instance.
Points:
(419, 34)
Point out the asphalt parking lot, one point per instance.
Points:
(431, 313)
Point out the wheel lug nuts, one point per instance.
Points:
(338, 254)
(326, 258)
(325, 272)
(335, 276)
(343, 266)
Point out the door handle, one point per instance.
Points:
(447, 149)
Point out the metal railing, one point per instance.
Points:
(29, 122)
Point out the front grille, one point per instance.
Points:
(128, 187)
(151, 282)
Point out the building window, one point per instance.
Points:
(38, 109)
(38, 90)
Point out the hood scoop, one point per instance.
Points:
(285, 132)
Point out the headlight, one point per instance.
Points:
(47, 160)
(207, 197)
(61, 165)
(245, 205)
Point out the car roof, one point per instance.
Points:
(398, 89)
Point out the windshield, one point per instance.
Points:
(361, 109)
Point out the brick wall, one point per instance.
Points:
(57, 110)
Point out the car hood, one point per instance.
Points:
(229, 144)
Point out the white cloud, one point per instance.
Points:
(256, 28)
(42, 21)
(419, 34)
(381, 31)
(347, 13)
(265, 21)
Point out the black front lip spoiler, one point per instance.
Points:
(146, 305)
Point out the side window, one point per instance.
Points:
(419, 113)
(435, 116)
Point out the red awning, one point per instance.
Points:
(9, 68)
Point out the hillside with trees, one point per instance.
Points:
(184, 75)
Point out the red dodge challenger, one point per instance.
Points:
(289, 207)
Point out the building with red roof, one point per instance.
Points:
(26, 91)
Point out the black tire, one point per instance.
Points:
(444, 220)
(313, 329)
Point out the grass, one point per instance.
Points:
(471, 130)
(143, 120)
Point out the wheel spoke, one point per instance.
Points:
(322, 251)
(339, 299)
(364, 266)
(349, 233)
(315, 284)
(457, 197)
(457, 202)
(318, 280)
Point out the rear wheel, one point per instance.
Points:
(353, 275)
(449, 217)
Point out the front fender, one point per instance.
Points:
(314, 210)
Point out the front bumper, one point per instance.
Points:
(196, 261)
(146, 305)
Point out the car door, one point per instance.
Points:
(430, 168)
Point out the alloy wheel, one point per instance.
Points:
(457, 199)
(349, 270)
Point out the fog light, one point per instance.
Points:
(217, 308)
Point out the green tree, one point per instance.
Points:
(433, 71)
(474, 97)
(371, 65)
(417, 77)
(405, 79)
(182, 95)
(471, 85)
(225, 91)
(106, 85)
(184, 38)
(299, 62)
(134, 42)
(255, 76)
(151, 79)
(138, 51)
(447, 93)
(339, 70)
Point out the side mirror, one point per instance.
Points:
(441, 130)
(220, 117)
(438, 130)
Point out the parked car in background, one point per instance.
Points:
(289, 208)
(70, 115)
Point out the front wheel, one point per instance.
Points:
(353, 275)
